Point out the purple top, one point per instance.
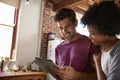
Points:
(77, 54)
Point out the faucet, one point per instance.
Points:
(2, 64)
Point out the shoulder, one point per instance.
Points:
(114, 68)
(61, 44)
(115, 54)
(85, 38)
(116, 49)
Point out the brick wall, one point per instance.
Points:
(49, 25)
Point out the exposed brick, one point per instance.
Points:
(49, 25)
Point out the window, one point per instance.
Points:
(8, 19)
(80, 29)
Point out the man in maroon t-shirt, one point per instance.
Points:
(74, 54)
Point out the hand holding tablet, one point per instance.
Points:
(46, 65)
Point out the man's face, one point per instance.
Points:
(67, 28)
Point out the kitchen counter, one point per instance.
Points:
(20, 75)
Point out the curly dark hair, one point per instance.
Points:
(104, 17)
(64, 13)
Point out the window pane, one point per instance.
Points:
(80, 29)
(6, 14)
(5, 40)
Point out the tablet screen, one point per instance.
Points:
(46, 65)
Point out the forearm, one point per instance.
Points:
(100, 73)
(87, 76)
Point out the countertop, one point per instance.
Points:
(20, 73)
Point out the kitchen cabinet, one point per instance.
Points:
(23, 76)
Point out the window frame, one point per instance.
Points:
(13, 47)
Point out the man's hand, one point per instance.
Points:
(67, 73)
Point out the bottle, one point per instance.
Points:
(2, 64)
(33, 67)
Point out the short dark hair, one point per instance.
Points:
(64, 13)
(104, 16)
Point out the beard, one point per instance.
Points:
(69, 36)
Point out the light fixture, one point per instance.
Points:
(27, 2)
(91, 2)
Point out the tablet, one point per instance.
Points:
(46, 65)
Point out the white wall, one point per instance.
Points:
(29, 29)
